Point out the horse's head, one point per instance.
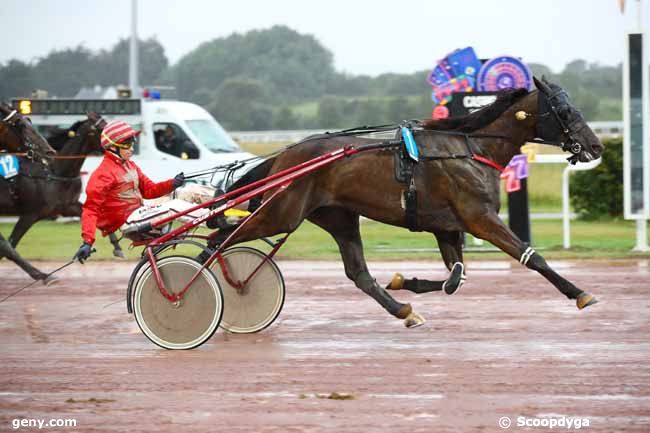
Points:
(88, 133)
(561, 124)
(17, 134)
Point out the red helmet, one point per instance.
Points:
(116, 133)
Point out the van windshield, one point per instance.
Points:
(212, 136)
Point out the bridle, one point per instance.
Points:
(551, 110)
(14, 120)
(95, 125)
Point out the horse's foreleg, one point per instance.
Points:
(343, 225)
(6, 250)
(450, 244)
(492, 229)
(25, 222)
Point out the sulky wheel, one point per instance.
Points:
(187, 323)
(256, 305)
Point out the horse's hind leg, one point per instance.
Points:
(451, 248)
(6, 250)
(343, 225)
(492, 229)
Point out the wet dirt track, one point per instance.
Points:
(507, 345)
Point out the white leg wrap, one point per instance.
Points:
(526, 256)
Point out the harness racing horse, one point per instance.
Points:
(457, 188)
(40, 192)
(17, 135)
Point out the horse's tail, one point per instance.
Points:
(258, 172)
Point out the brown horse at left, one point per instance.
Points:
(41, 192)
(18, 136)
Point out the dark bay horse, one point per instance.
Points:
(17, 135)
(455, 194)
(39, 192)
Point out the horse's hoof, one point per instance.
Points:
(585, 300)
(119, 254)
(456, 279)
(414, 320)
(48, 281)
(396, 283)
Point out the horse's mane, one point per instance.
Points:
(58, 138)
(479, 118)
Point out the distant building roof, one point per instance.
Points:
(97, 92)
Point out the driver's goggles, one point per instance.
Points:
(126, 144)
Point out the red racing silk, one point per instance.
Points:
(114, 190)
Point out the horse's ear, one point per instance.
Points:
(541, 85)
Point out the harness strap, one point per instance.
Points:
(10, 115)
(14, 154)
(411, 204)
(489, 162)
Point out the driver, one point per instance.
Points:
(117, 187)
(168, 142)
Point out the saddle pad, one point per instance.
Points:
(9, 166)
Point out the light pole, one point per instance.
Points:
(133, 51)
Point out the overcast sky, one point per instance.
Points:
(366, 37)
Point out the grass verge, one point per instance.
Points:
(50, 240)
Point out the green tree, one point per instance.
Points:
(398, 109)
(369, 112)
(598, 192)
(113, 64)
(15, 80)
(292, 66)
(587, 102)
(283, 118)
(62, 73)
(240, 103)
(540, 70)
(331, 112)
(399, 84)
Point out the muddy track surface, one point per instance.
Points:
(508, 344)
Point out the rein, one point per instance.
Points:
(362, 130)
(28, 154)
(50, 176)
(70, 156)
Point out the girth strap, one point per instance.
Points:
(411, 204)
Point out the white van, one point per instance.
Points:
(199, 141)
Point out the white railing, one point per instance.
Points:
(568, 169)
